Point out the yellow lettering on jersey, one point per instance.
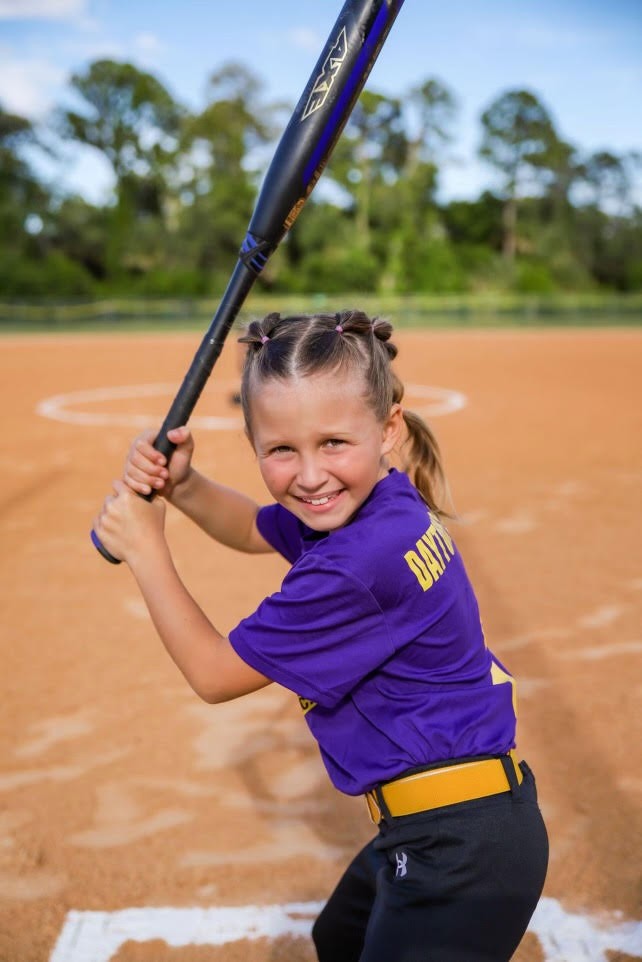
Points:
(307, 704)
(501, 677)
(439, 541)
(433, 563)
(419, 569)
(442, 534)
(431, 554)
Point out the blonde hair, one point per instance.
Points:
(304, 344)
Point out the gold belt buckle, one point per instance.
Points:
(373, 808)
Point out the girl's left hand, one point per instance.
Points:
(128, 525)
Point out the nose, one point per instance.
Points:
(311, 475)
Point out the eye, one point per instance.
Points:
(280, 449)
(333, 443)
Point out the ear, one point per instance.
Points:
(391, 429)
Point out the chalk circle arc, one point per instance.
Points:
(75, 407)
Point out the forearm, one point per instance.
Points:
(203, 655)
(223, 513)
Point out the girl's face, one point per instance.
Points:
(321, 450)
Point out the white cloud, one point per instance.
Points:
(303, 38)
(41, 9)
(536, 35)
(148, 43)
(147, 50)
(101, 48)
(29, 86)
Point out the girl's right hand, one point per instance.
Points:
(146, 469)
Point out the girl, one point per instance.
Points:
(376, 628)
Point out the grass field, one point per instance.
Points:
(423, 311)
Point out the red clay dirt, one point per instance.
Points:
(118, 788)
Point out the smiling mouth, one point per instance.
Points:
(321, 500)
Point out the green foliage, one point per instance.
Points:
(185, 184)
(53, 276)
(429, 266)
(127, 114)
(533, 278)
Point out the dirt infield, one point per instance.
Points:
(120, 790)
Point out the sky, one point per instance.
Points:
(582, 58)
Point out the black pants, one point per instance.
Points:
(457, 884)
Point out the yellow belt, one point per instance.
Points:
(442, 786)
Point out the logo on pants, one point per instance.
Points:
(402, 869)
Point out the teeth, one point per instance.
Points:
(316, 501)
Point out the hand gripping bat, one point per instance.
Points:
(299, 160)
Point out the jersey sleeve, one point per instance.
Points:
(281, 529)
(319, 636)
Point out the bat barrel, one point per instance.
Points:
(321, 113)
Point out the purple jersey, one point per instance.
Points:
(376, 628)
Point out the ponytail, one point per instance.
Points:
(421, 457)
(423, 463)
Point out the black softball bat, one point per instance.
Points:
(302, 153)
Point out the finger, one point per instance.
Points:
(181, 431)
(140, 487)
(145, 456)
(142, 482)
(120, 489)
(137, 472)
(99, 523)
(179, 435)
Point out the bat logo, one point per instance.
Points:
(331, 67)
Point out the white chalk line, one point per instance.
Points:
(58, 407)
(97, 936)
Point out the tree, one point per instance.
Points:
(23, 209)
(475, 231)
(610, 225)
(611, 178)
(20, 192)
(80, 232)
(517, 133)
(128, 115)
(561, 168)
(419, 255)
(435, 108)
(216, 184)
(369, 155)
(134, 121)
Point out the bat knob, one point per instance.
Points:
(103, 550)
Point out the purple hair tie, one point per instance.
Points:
(264, 339)
(339, 329)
